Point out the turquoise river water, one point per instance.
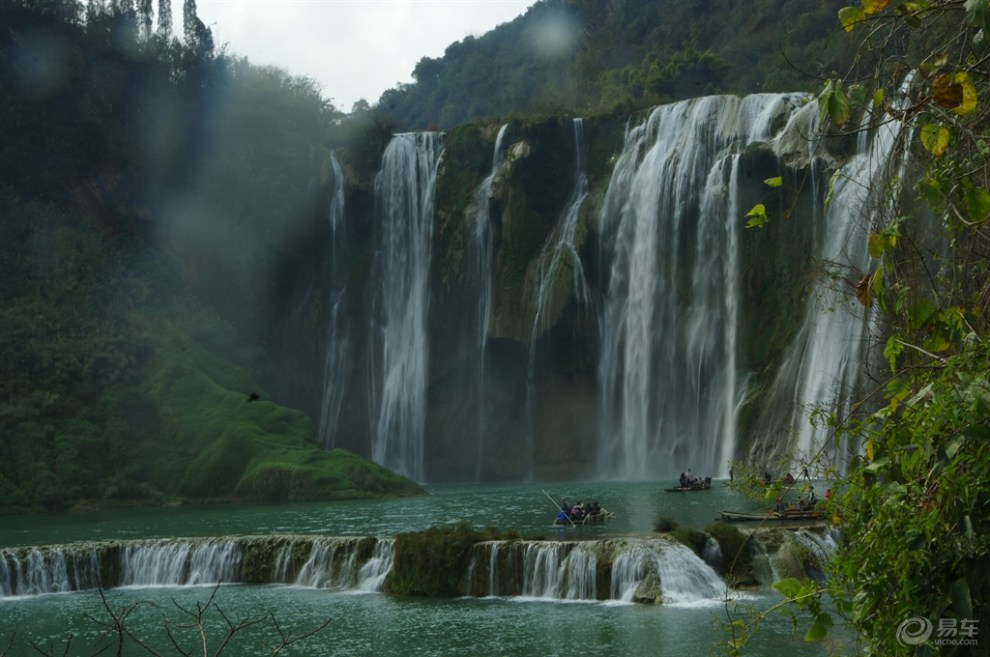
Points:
(363, 623)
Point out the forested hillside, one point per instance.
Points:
(150, 192)
(592, 56)
(164, 211)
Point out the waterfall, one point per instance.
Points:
(372, 574)
(712, 554)
(340, 563)
(484, 244)
(655, 570)
(336, 214)
(560, 571)
(334, 371)
(46, 570)
(644, 569)
(560, 249)
(558, 260)
(330, 565)
(652, 570)
(823, 365)
(404, 190)
(669, 226)
(181, 563)
(764, 567)
(335, 357)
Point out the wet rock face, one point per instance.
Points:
(532, 362)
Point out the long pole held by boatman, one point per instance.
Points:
(550, 497)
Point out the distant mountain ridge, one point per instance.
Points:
(589, 56)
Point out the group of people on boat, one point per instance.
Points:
(804, 504)
(690, 481)
(579, 512)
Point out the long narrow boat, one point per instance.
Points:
(688, 489)
(739, 516)
(590, 519)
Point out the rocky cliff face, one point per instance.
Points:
(595, 304)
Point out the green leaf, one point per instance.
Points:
(839, 109)
(920, 312)
(892, 351)
(757, 216)
(789, 587)
(931, 191)
(819, 628)
(878, 244)
(775, 182)
(978, 204)
(831, 187)
(849, 16)
(857, 94)
(937, 342)
(878, 97)
(877, 465)
(962, 601)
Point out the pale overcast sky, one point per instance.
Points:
(353, 48)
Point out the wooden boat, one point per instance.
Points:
(740, 516)
(590, 519)
(688, 489)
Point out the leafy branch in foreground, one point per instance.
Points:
(909, 573)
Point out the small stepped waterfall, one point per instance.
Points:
(404, 196)
(669, 226)
(645, 570)
(484, 246)
(310, 561)
(624, 570)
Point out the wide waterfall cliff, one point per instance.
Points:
(573, 297)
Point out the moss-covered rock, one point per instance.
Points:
(692, 538)
(433, 562)
(736, 551)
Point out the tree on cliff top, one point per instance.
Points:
(588, 56)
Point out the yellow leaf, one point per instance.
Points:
(969, 98)
(955, 91)
(869, 450)
(757, 216)
(935, 138)
(776, 181)
(874, 6)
